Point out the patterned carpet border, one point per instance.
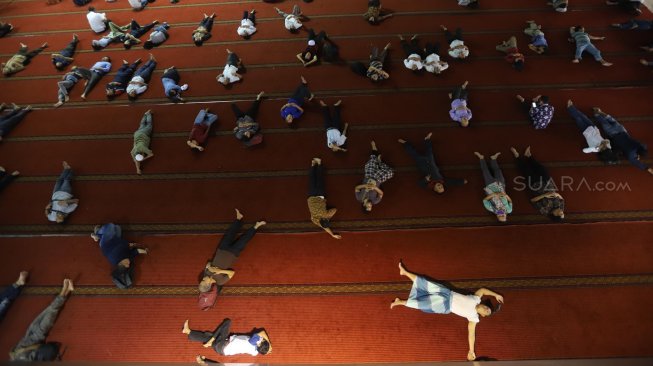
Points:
(351, 225)
(356, 288)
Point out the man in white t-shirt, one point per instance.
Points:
(333, 126)
(292, 21)
(432, 62)
(230, 73)
(413, 60)
(62, 202)
(457, 47)
(97, 21)
(231, 344)
(432, 297)
(247, 24)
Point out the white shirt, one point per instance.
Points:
(334, 137)
(59, 207)
(229, 73)
(594, 139)
(96, 21)
(412, 61)
(136, 4)
(456, 52)
(134, 86)
(465, 306)
(246, 28)
(433, 64)
(239, 344)
(292, 22)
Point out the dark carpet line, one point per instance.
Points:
(571, 218)
(291, 173)
(369, 289)
(435, 124)
(463, 12)
(346, 92)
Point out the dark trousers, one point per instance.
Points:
(93, 80)
(146, 70)
(537, 177)
(458, 35)
(375, 56)
(8, 296)
(316, 181)
(11, 120)
(374, 3)
(301, 94)
(171, 74)
(207, 23)
(332, 121)
(252, 111)
(495, 176)
(250, 16)
(410, 48)
(125, 73)
(63, 183)
(319, 38)
(29, 54)
(425, 163)
(5, 179)
(137, 31)
(229, 241)
(459, 93)
(432, 48)
(233, 59)
(582, 121)
(69, 51)
(221, 335)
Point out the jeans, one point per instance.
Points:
(425, 163)
(458, 35)
(146, 124)
(203, 117)
(301, 94)
(9, 294)
(316, 181)
(459, 93)
(146, 70)
(39, 328)
(229, 241)
(589, 47)
(637, 24)
(537, 177)
(432, 48)
(63, 182)
(252, 111)
(332, 121)
(495, 176)
(11, 120)
(411, 48)
(582, 121)
(610, 125)
(5, 179)
(221, 335)
(375, 56)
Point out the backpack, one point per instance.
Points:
(206, 300)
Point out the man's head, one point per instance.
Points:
(543, 100)
(205, 284)
(106, 59)
(148, 45)
(289, 118)
(557, 214)
(325, 223)
(483, 310)
(579, 28)
(90, 8)
(110, 92)
(608, 156)
(464, 122)
(59, 65)
(263, 347)
(501, 215)
(438, 188)
(518, 65)
(132, 94)
(223, 80)
(95, 235)
(96, 46)
(60, 217)
(127, 44)
(367, 205)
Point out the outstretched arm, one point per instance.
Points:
(486, 292)
(471, 338)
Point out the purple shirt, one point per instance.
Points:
(459, 114)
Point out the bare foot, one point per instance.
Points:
(520, 98)
(304, 80)
(322, 103)
(239, 216)
(338, 103)
(465, 84)
(479, 155)
(317, 161)
(413, 37)
(495, 156)
(186, 328)
(396, 302)
(527, 152)
(443, 27)
(373, 144)
(401, 141)
(65, 165)
(428, 137)
(260, 95)
(402, 269)
(569, 103)
(22, 278)
(200, 360)
(514, 152)
(401, 38)
(71, 288)
(15, 173)
(259, 224)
